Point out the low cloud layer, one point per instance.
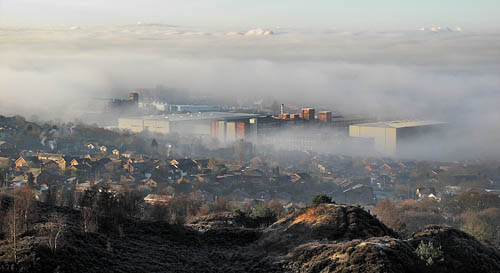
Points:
(445, 75)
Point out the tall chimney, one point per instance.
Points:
(282, 109)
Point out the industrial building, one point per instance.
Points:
(390, 137)
(132, 102)
(269, 129)
(192, 123)
(178, 108)
(193, 108)
(295, 131)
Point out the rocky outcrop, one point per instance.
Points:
(461, 252)
(374, 255)
(326, 222)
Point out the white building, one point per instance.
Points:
(390, 137)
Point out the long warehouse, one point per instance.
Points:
(391, 137)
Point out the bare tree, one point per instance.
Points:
(19, 216)
(26, 205)
(90, 219)
(13, 226)
(51, 197)
(90, 214)
(222, 204)
(389, 214)
(159, 212)
(130, 200)
(70, 197)
(55, 229)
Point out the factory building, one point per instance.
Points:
(390, 137)
(260, 127)
(284, 128)
(134, 97)
(131, 103)
(325, 116)
(287, 129)
(191, 123)
(194, 108)
(308, 113)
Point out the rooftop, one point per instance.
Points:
(401, 123)
(196, 116)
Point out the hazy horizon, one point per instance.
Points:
(384, 14)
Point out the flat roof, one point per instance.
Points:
(401, 123)
(195, 116)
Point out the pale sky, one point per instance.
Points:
(387, 14)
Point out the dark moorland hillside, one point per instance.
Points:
(323, 238)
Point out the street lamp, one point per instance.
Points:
(168, 150)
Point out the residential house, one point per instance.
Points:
(129, 154)
(49, 178)
(127, 179)
(22, 163)
(150, 182)
(157, 199)
(7, 149)
(30, 162)
(140, 167)
(81, 187)
(5, 163)
(50, 165)
(301, 178)
(103, 149)
(100, 165)
(426, 192)
(19, 180)
(79, 161)
(82, 168)
(254, 176)
(186, 166)
(202, 163)
(382, 182)
(164, 171)
(357, 194)
(57, 158)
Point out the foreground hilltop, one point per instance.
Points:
(323, 238)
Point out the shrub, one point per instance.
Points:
(389, 214)
(429, 253)
(264, 215)
(483, 225)
(321, 199)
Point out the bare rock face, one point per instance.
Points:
(327, 222)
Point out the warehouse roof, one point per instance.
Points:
(401, 123)
(197, 116)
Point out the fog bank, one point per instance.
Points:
(450, 75)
